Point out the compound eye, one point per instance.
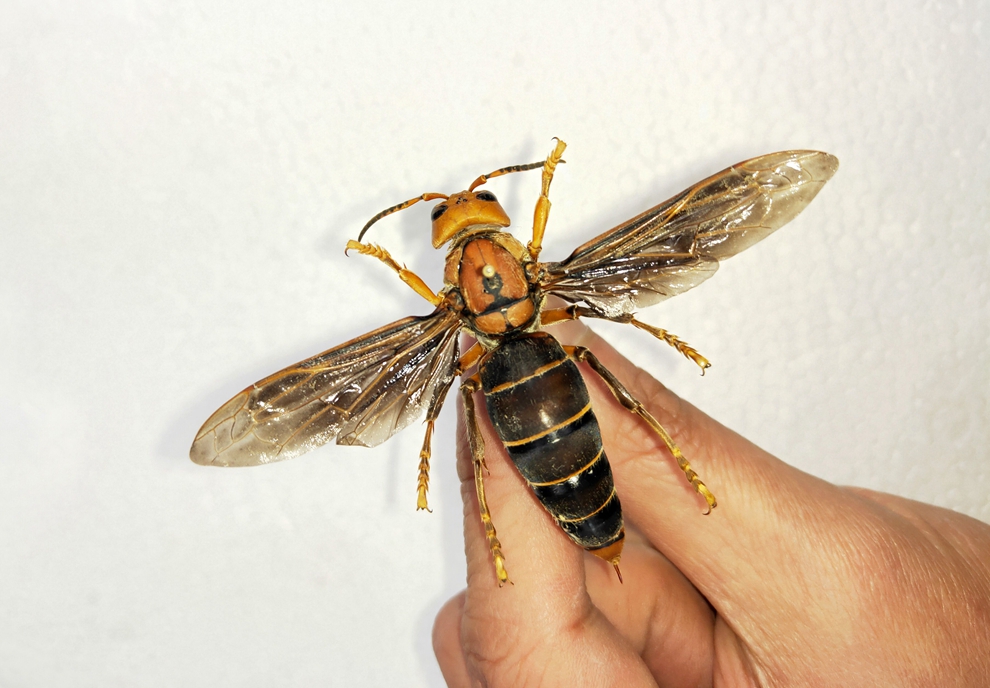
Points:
(438, 211)
(486, 196)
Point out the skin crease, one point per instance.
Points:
(791, 581)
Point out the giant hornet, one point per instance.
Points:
(364, 391)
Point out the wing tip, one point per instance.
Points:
(202, 455)
(818, 164)
(826, 165)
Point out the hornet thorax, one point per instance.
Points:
(497, 294)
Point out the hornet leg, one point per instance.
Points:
(630, 402)
(407, 276)
(423, 482)
(574, 312)
(542, 210)
(468, 388)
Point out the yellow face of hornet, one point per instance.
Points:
(463, 210)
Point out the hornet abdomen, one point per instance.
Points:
(539, 405)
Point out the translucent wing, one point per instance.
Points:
(361, 392)
(677, 245)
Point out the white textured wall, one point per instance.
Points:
(178, 180)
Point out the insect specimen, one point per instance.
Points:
(364, 391)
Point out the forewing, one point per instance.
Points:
(361, 392)
(677, 245)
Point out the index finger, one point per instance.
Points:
(538, 555)
(545, 623)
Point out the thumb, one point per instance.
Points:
(543, 629)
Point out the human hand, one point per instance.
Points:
(791, 581)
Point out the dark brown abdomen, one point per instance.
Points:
(539, 405)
